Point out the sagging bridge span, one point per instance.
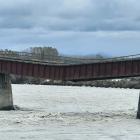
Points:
(66, 68)
(62, 68)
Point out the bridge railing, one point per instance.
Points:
(60, 59)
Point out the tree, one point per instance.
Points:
(44, 50)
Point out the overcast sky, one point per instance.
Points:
(72, 26)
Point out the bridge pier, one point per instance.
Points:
(138, 112)
(6, 99)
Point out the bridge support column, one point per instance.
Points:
(138, 112)
(6, 100)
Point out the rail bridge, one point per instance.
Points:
(67, 68)
(62, 68)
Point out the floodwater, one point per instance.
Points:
(71, 113)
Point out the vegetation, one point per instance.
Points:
(132, 83)
(8, 52)
(43, 52)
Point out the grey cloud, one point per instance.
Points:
(75, 15)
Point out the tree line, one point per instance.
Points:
(43, 51)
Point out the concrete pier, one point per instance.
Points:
(6, 99)
(138, 112)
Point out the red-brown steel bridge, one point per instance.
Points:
(75, 69)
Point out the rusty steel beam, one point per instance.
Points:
(93, 71)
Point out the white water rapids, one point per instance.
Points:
(71, 113)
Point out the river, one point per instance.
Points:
(71, 113)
